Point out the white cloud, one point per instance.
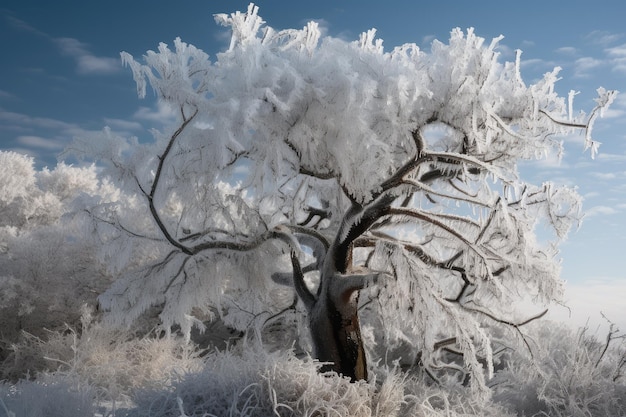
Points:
(163, 113)
(612, 157)
(4, 94)
(39, 142)
(20, 119)
(567, 50)
(604, 175)
(22, 25)
(537, 66)
(505, 51)
(87, 63)
(612, 112)
(583, 66)
(123, 124)
(619, 64)
(43, 138)
(602, 37)
(587, 63)
(618, 51)
(600, 211)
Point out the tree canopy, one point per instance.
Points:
(347, 169)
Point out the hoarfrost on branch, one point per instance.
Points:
(290, 149)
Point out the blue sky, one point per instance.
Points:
(61, 77)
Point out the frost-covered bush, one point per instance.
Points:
(115, 362)
(48, 268)
(51, 396)
(570, 373)
(254, 382)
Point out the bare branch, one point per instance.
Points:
(157, 178)
(435, 222)
(302, 290)
(562, 123)
(426, 189)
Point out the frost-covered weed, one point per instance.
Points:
(570, 374)
(254, 382)
(114, 362)
(48, 397)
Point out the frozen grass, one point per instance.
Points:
(103, 372)
(113, 363)
(254, 382)
(48, 397)
(571, 374)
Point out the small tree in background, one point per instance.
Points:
(334, 167)
(48, 270)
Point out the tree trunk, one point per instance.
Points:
(333, 311)
(336, 334)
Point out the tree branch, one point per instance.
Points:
(356, 222)
(430, 219)
(157, 178)
(308, 299)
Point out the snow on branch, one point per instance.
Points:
(404, 163)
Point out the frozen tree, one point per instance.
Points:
(338, 174)
(47, 271)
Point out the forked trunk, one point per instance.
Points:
(336, 334)
(333, 311)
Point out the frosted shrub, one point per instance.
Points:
(48, 269)
(114, 362)
(118, 363)
(256, 383)
(48, 397)
(570, 374)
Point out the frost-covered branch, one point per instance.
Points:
(302, 290)
(433, 219)
(157, 178)
(341, 155)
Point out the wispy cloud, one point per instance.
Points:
(120, 124)
(583, 67)
(567, 50)
(603, 38)
(604, 175)
(86, 61)
(608, 157)
(39, 142)
(162, 113)
(41, 137)
(19, 24)
(617, 57)
(617, 51)
(37, 132)
(601, 211)
(5, 95)
(605, 53)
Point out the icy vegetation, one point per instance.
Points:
(328, 228)
(110, 373)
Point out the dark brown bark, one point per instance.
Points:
(336, 335)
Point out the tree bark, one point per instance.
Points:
(336, 333)
(333, 311)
